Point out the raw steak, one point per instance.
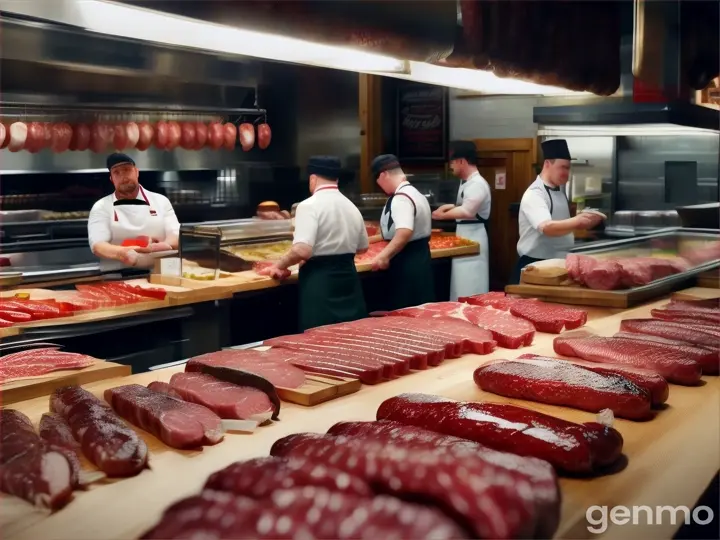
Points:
(309, 512)
(258, 478)
(164, 388)
(651, 380)
(675, 367)
(702, 303)
(334, 366)
(621, 273)
(277, 372)
(698, 336)
(570, 447)
(700, 315)
(56, 433)
(175, 422)
(539, 473)
(562, 383)
(491, 502)
(38, 362)
(545, 317)
(29, 468)
(227, 400)
(104, 438)
(509, 331)
(705, 357)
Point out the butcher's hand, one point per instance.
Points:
(438, 214)
(380, 263)
(278, 273)
(129, 257)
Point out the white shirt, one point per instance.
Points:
(535, 210)
(100, 221)
(405, 215)
(330, 223)
(474, 196)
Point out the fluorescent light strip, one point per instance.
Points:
(623, 129)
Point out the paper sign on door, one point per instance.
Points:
(500, 180)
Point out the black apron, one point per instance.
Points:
(524, 260)
(410, 275)
(329, 291)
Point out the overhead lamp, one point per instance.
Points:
(628, 130)
(143, 24)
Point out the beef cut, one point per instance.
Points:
(558, 382)
(570, 447)
(309, 512)
(258, 478)
(545, 317)
(491, 502)
(279, 373)
(676, 311)
(621, 273)
(227, 400)
(37, 362)
(509, 331)
(177, 423)
(56, 433)
(30, 468)
(672, 365)
(540, 474)
(703, 356)
(104, 438)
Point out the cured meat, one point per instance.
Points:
(174, 134)
(37, 362)
(545, 317)
(571, 448)
(187, 136)
(61, 136)
(264, 136)
(133, 134)
(279, 373)
(246, 136)
(490, 501)
(650, 380)
(227, 400)
(4, 136)
(146, 134)
(216, 135)
(29, 468)
(557, 382)
(104, 438)
(100, 136)
(35, 137)
(705, 357)
(81, 137)
(55, 432)
(539, 473)
(201, 135)
(48, 135)
(175, 422)
(120, 136)
(18, 136)
(286, 515)
(675, 367)
(161, 137)
(258, 478)
(230, 135)
(509, 331)
(707, 338)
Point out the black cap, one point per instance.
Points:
(118, 159)
(384, 162)
(326, 166)
(463, 150)
(556, 149)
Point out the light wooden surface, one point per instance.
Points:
(574, 294)
(696, 293)
(671, 458)
(319, 389)
(25, 389)
(709, 279)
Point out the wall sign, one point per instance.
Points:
(500, 180)
(422, 122)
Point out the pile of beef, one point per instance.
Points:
(620, 273)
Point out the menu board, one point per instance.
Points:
(422, 122)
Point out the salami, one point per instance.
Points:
(174, 135)
(187, 138)
(18, 136)
(161, 138)
(4, 136)
(246, 136)
(229, 136)
(145, 136)
(264, 136)
(133, 134)
(216, 135)
(201, 135)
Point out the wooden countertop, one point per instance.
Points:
(658, 471)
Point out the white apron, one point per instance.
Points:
(131, 221)
(470, 275)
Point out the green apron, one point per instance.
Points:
(411, 276)
(330, 291)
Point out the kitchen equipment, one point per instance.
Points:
(700, 216)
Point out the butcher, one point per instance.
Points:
(546, 228)
(127, 214)
(471, 211)
(329, 232)
(406, 223)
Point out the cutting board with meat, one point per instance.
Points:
(37, 372)
(188, 292)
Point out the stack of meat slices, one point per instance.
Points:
(507, 330)
(353, 483)
(550, 318)
(380, 348)
(37, 362)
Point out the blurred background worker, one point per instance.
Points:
(470, 275)
(406, 223)
(546, 228)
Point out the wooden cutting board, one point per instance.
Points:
(697, 293)
(550, 272)
(21, 390)
(319, 389)
(709, 279)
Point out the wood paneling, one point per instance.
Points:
(370, 111)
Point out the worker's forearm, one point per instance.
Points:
(458, 212)
(172, 240)
(399, 241)
(106, 250)
(298, 253)
(558, 228)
